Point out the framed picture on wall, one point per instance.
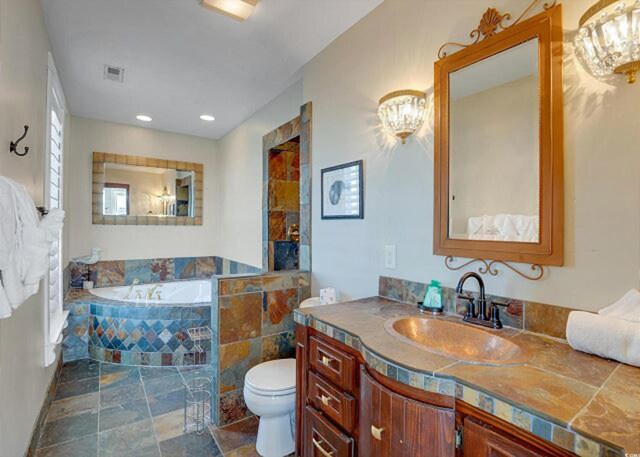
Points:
(342, 191)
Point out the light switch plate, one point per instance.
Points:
(390, 257)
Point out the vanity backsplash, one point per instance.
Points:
(526, 315)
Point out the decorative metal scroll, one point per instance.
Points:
(488, 267)
(491, 23)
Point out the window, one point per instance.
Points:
(116, 199)
(55, 316)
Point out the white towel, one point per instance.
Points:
(25, 243)
(627, 308)
(604, 336)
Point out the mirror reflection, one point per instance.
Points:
(494, 146)
(131, 190)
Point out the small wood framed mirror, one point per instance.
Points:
(499, 142)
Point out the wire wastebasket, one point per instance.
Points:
(197, 384)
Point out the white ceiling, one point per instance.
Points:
(182, 60)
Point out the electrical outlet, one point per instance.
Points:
(390, 257)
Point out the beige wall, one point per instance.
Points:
(136, 241)
(389, 50)
(494, 158)
(23, 85)
(239, 174)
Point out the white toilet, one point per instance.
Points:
(270, 394)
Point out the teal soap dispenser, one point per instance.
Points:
(433, 299)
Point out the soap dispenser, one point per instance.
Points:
(433, 299)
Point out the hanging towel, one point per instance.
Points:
(604, 336)
(627, 308)
(25, 243)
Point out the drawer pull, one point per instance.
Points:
(377, 432)
(318, 445)
(326, 361)
(325, 400)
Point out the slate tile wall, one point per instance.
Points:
(252, 322)
(286, 194)
(112, 273)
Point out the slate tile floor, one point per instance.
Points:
(108, 410)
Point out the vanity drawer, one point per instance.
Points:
(321, 439)
(339, 406)
(335, 365)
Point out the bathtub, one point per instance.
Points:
(171, 293)
(105, 326)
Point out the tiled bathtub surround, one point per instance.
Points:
(127, 334)
(580, 402)
(122, 272)
(252, 322)
(534, 317)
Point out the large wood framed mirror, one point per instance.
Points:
(499, 142)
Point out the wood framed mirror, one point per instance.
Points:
(499, 142)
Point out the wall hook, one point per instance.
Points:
(13, 147)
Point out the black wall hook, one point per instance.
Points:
(13, 147)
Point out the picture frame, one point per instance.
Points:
(342, 191)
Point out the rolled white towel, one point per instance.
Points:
(627, 308)
(604, 336)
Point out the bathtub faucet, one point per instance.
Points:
(151, 290)
(135, 282)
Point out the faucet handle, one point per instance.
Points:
(495, 313)
(464, 296)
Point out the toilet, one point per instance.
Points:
(270, 394)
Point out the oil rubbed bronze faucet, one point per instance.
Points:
(479, 318)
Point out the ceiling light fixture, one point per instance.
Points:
(401, 112)
(207, 117)
(609, 42)
(236, 9)
(143, 118)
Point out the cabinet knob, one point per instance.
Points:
(377, 432)
(318, 446)
(325, 400)
(326, 361)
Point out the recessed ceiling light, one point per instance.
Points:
(143, 118)
(237, 9)
(207, 117)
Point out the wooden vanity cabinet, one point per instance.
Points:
(482, 440)
(345, 409)
(393, 425)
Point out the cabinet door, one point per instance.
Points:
(482, 440)
(393, 425)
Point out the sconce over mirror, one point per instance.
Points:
(130, 190)
(499, 140)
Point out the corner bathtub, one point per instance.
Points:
(171, 293)
(107, 327)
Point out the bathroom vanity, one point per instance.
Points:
(363, 390)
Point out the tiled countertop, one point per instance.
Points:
(581, 402)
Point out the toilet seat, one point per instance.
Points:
(274, 378)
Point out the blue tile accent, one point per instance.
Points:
(285, 255)
(542, 428)
(140, 269)
(185, 267)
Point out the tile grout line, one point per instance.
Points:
(146, 399)
(595, 394)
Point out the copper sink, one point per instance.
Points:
(456, 341)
